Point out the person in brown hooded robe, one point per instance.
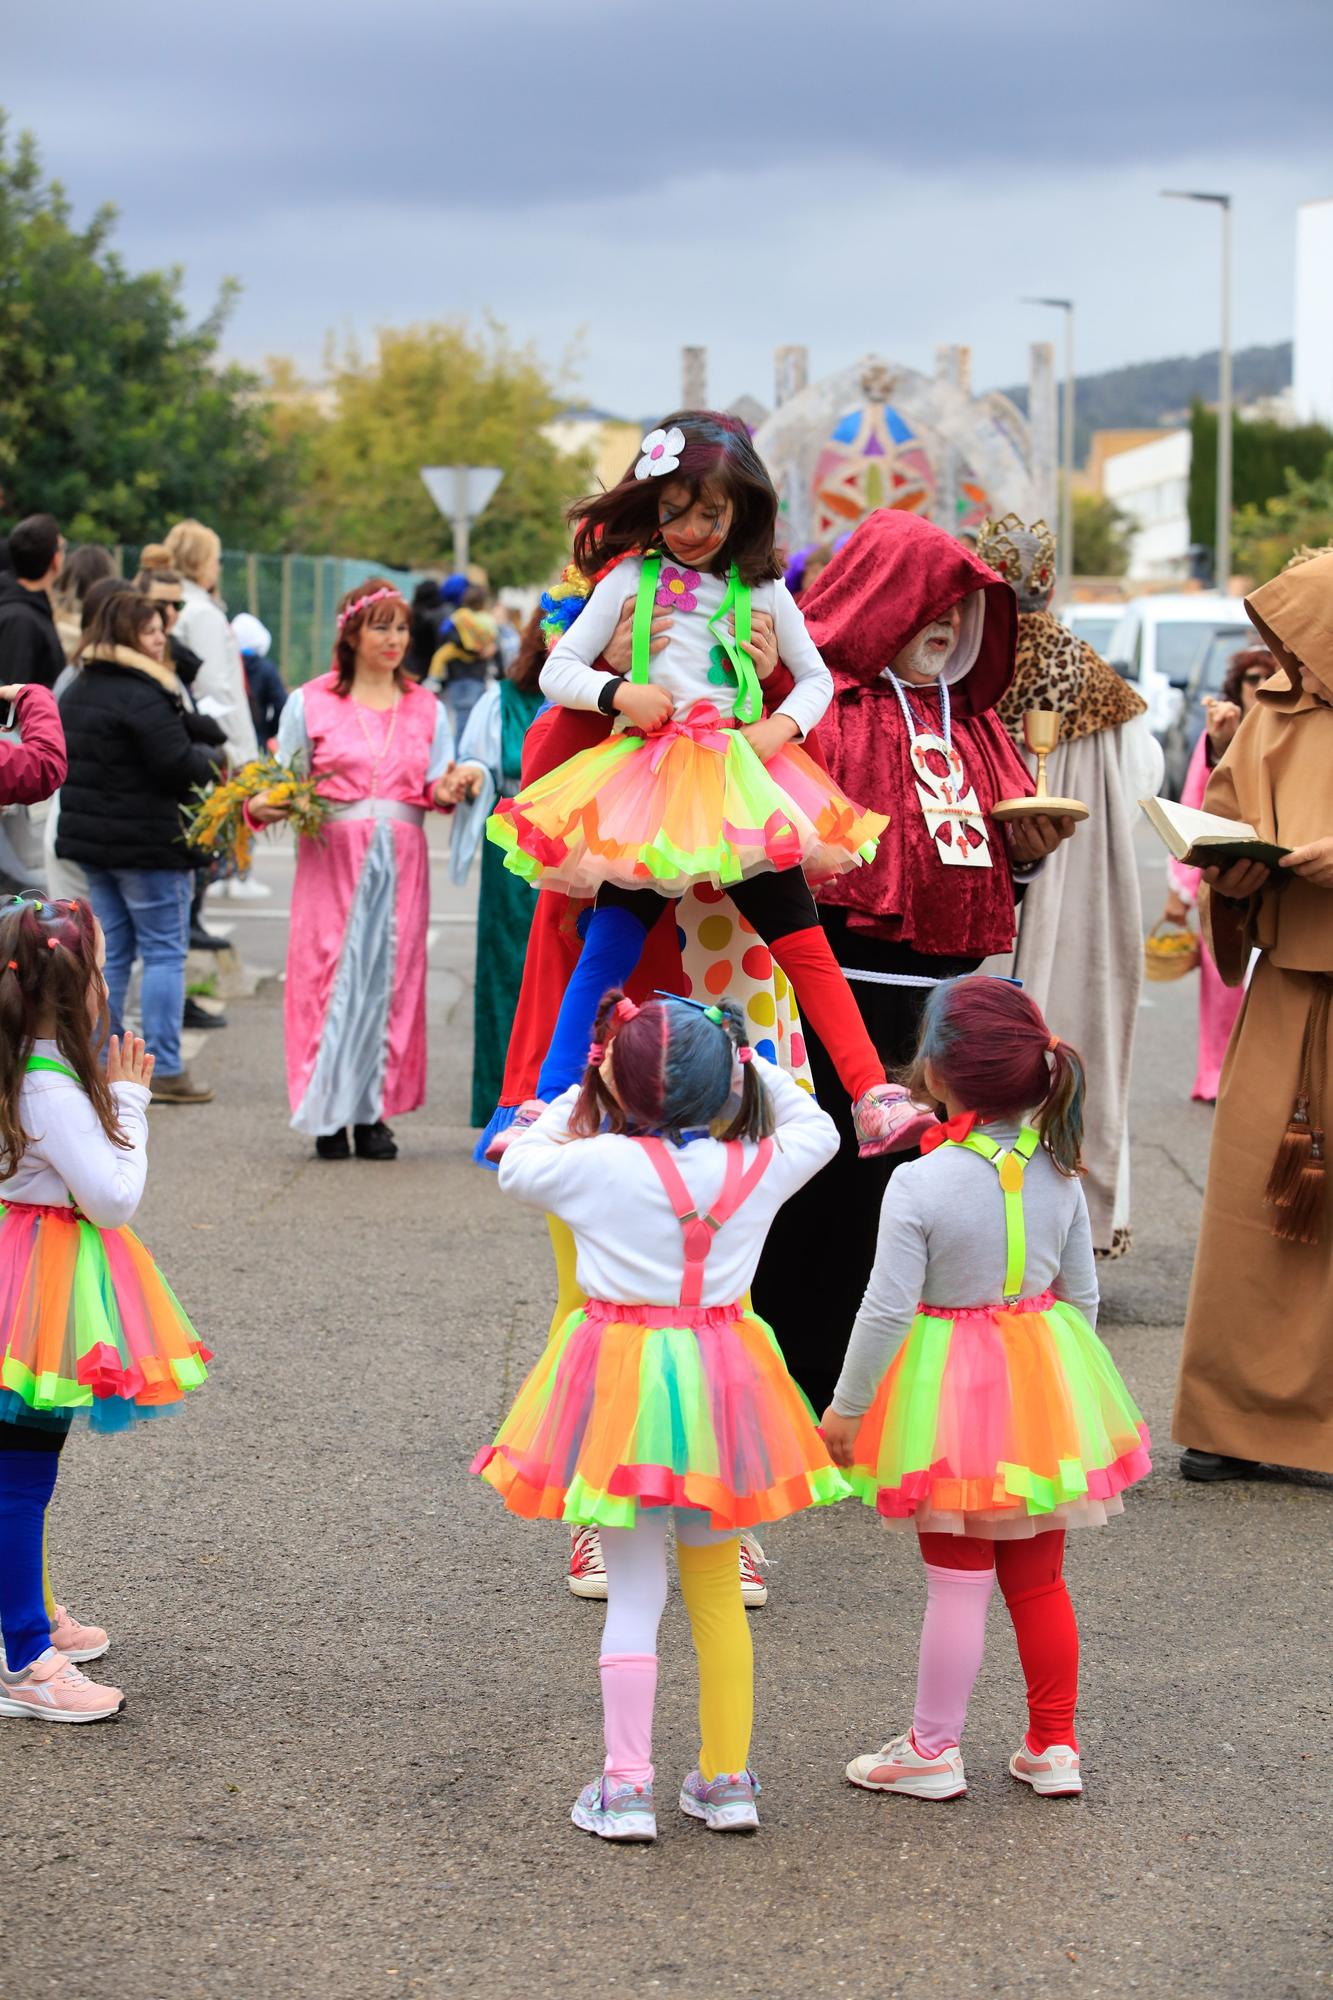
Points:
(919, 636)
(1256, 1373)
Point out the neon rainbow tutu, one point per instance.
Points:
(1000, 1421)
(692, 803)
(91, 1327)
(655, 1406)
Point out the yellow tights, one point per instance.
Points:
(710, 1583)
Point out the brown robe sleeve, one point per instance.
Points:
(1229, 927)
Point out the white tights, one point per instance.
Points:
(636, 1573)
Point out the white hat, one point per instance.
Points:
(252, 635)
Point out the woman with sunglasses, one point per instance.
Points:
(1218, 1004)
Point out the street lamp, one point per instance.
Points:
(1064, 560)
(1222, 554)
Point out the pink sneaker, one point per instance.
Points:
(53, 1690)
(76, 1641)
(587, 1571)
(887, 1120)
(1053, 1772)
(527, 1114)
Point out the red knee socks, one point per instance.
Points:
(1032, 1579)
(826, 1001)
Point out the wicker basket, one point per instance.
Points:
(1170, 951)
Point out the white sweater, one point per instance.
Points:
(219, 686)
(70, 1161)
(630, 1245)
(570, 678)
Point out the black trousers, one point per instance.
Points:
(34, 1437)
(776, 904)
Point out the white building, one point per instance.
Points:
(1312, 359)
(1151, 484)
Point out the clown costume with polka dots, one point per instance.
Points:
(695, 788)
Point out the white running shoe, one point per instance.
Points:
(614, 1810)
(1053, 1772)
(901, 1767)
(587, 1571)
(754, 1591)
(725, 1803)
(245, 889)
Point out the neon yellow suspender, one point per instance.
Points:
(1010, 1167)
(749, 702)
(45, 1062)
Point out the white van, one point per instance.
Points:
(1094, 622)
(1157, 641)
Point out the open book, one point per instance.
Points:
(1206, 840)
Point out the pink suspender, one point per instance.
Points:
(738, 1184)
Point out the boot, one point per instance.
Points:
(180, 1089)
(334, 1145)
(198, 1016)
(374, 1142)
(1210, 1466)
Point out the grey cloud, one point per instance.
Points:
(520, 103)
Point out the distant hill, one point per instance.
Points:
(1160, 392)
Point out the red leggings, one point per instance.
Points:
(1031, 1577)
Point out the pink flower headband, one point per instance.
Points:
(360, 603)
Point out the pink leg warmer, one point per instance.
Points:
(629, 1684)
(953, 1639)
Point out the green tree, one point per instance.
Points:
(1262, 452)
(1301, 516)
(114, 413)
(437, 395)
(1101, 536)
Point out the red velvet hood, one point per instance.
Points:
(896, 573)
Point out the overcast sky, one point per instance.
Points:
(612, 181)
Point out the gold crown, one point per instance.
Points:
(1024, 556)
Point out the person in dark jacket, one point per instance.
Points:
(133, 762)
(32, 767)
(30, 648)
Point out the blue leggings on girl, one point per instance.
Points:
(29, 1461)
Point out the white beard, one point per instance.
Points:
(919, 657)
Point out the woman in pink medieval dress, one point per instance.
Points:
(383, 753)
(1218, 1004)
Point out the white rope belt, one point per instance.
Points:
(892, 978)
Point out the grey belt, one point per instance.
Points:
(380, 809)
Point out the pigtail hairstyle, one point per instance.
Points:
(674, 1070)
(718, 453)
(987, 1043)
(48, 968)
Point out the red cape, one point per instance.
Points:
(896, 573)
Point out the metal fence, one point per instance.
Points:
(295, 596)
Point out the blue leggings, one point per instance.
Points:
(29, 1461)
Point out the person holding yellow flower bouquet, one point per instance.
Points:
(382, 753)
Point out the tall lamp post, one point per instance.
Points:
(1222, 553)
(1064, 565)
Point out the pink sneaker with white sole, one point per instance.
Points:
(527, 1114)
(53, 1690)
(77, 1641)
(888, 1120)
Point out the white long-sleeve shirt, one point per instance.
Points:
(942, 1242)
(630, 1245)
(70, 1162)
(683, 668)
(219, 686)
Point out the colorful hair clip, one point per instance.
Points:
(51, 943)
(625, 1009)
(661, 453)
(1053, 1045)
(744, 1053)
(596, 1054)
(711, 1013)
(13, 965)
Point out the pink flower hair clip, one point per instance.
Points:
(661, 453)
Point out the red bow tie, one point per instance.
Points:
(957, 1128)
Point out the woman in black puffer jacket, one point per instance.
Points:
(133, 761)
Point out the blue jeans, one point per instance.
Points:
(460, 698)
(146, 911)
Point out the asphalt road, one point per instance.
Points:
(361, 1700)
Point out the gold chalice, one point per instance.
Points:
(1041, 733)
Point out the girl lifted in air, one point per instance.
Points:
(695, 785)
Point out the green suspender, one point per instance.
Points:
(749, 703)
(1011, 1168)
(45, 1062)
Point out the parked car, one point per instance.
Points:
(1205, 677)
(1156, 643)
(1093, 622)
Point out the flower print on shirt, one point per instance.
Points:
(676, 588)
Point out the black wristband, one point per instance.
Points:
(606, 700)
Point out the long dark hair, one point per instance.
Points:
(119, 619)
(717, 453)
(48, 964)
(987, 1042)
(531, 655)
(674, 1069)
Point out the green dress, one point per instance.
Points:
(504, 915)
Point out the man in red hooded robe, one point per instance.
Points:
(919, 636)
